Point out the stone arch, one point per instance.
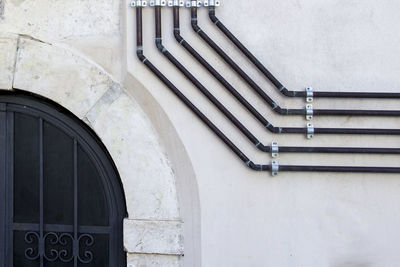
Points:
(162, 198)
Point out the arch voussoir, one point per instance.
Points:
(93, 96)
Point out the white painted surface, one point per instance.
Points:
(252, 219)
(8, 48)
(145, 260)
(56, 20)
(134, 147)
(247, 218)
(43, 69)
(157, 237)
(91, 27)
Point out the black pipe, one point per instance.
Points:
(254, 112)
(269, 101)
(301, 168)
(232, 118)
(221, 135)
(275, 81)
(200, 86)
(346, 150)
(269, 126)
(184, 99)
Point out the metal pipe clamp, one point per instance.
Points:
(274, 149)
(309, 112)
(193, 4)
(274, 168)
(309, 94)
(310, 131)
(157, 3)
(139, 3)
(179, 3)
(211, 3)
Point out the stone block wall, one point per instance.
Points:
(153, 232)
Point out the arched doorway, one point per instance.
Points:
(61, 201)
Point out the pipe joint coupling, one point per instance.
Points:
(139, 3)
(309, 94)
(274, 149)
(274, 168)
(309, 112)
(310, 131)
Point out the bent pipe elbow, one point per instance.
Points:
(178, 36)
(159, 45)
(257, 167)
(285, 91)
(290, 93)
(263, 148)
(279, 86)
(211, 14)
(273, 129)
(276, 130)
(225, 139)
(195, 26)
(285, 111)
(139, 54)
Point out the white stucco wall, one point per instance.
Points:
(252, 219)
(246, 218)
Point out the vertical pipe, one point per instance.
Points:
(224, 138)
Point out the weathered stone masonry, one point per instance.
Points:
(153, 233)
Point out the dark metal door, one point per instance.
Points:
(61, 201)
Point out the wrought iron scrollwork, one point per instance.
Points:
(53, 240)
(63, 254)
(53, 253)
(30, 239)
(88, 241)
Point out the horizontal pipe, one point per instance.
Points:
(275, 106)
(215, 129)
(266, 98)
(229, 87)
(343, 150)
(339, 112)
(282, 88)
(352, 169)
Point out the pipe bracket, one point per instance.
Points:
(309, 94)
(179, 3)
(310, 131)
(274, 149)
(274, 168)
(309, 112)
(193, 4)
(211, 3)
(139, 3)
(157, 3)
